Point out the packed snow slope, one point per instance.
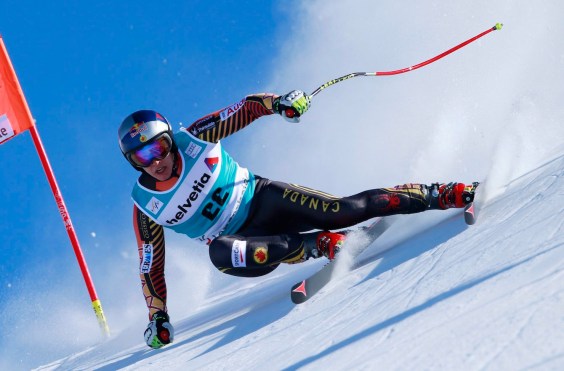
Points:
(451, 297)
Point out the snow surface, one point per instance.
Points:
(432, 293)
(489, 296)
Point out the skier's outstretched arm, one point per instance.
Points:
(235, 117)
(151, 247)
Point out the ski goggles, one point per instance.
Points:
(157, 149)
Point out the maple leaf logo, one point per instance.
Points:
(261, 255)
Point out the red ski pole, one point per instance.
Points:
(407, 69)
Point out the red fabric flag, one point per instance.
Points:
(15, 116)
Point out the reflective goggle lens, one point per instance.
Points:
(155, 150)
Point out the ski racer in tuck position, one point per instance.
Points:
(189, 184)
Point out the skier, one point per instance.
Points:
(189, 184)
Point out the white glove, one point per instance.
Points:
(292, 105)
(159, 331)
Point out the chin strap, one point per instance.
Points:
(175, 165)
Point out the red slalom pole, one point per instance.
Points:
(498, 26)
(96, 304)
(15, 117)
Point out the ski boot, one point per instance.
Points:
(329, 243)
(324, 243)
(451, 195)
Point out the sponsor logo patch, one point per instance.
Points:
(6, 130)
(239, 254)
(203, 128)
(198, 187)
(147, 258)
(154, 205)
(138, 128)
(260, 255)
(230, 111)
(212, 162)
(193, 150)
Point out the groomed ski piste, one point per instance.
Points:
(488, 296)
(432, 293)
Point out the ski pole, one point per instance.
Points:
(498, 26)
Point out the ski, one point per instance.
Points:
(470, 215)
(470, 210)
(304, 290)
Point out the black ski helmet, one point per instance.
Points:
(140, 128)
